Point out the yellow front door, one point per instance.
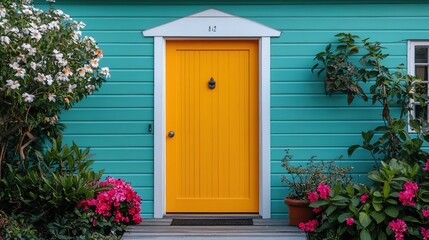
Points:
(212, 111)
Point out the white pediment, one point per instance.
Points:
(212, 23)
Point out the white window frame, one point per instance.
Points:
(411, 65)
(199, 26)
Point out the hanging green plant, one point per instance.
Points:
(342, 76)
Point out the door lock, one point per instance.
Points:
(171, 134)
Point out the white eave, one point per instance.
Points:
(212, 23)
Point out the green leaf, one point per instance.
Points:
(410, 219)
(364, 219)
(339, 198)
(344, 216)
(391, 212)
(367, 136)
(330, 210)
(364, 235)
(381, 236)
(352, 149)
(377, 206)
(386, 189)
(377, 194)
(378, 216)
(375, 177)
(318, 203)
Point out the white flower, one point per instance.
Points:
(71, 87)
(20, 73)
(53, 25)
(81, 72)
(49, 79)
(90, 88)
(2, 12)
(58, 12)
(94, 63)
(36, 35)
(33, 66)
(27, 11)
(5, 39)
(99, 53)
(40, 78)
(51, 97)
(43, 28)
(67, 71)
(76, 35)
(62, 77)
(91, 40)
(28, 97)
(106, 72)
(32, 51)
(52, 1)
(14, 30)
(14, 66)
(12, 84)
(55, 51)
(22, 58)
(26, 46)
(63, 62)
(59, 56)
(88, 68)
(80, 25)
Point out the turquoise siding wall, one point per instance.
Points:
(114, 122)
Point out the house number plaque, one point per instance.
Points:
(212, 28)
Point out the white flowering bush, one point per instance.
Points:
(45, 67)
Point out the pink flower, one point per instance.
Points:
(317, 210)
(350, 221)
(399, 227)
(425, 233)
(364, 197)
(312, 196)
(309, 226)
(406, 196)
(411, 187)
(323, 190)
(120, 201)
(426, 168)
(425, 213)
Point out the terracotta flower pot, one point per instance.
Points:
(299, 211)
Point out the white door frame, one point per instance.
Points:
(200, 26)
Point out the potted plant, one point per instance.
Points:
(341, 73)
(308, 183)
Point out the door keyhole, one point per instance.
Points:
(212, 83)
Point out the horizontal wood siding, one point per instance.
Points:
(114, 121)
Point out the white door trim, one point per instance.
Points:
(252, 30)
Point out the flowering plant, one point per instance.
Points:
(305, 182)
(396, 206)
(120, 201)
(46, 66)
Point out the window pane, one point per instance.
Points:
(421, 54)
(421, 112)
(422, 72)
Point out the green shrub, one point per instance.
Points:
(16, 228)
(52, 186)
(358, 210)
(46, 66)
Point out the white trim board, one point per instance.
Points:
(211, 24)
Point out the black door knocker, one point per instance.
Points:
(212, 83)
